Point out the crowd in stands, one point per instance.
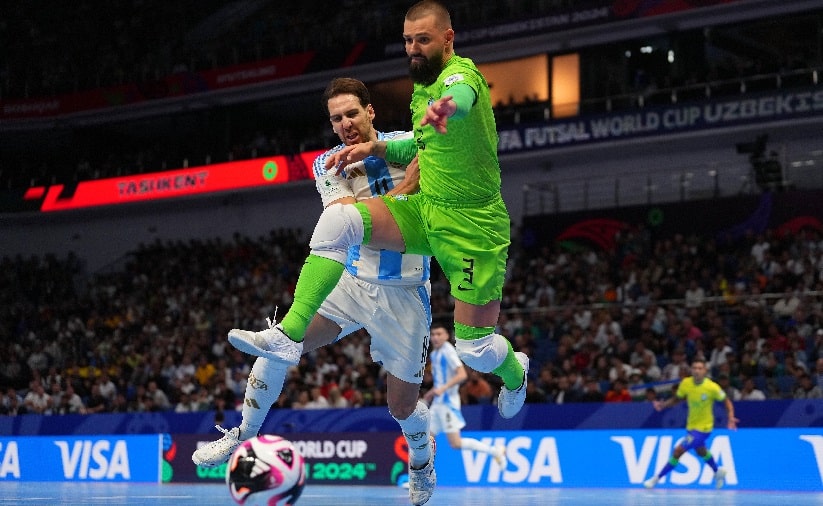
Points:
(600, 326)
(148, 40)
(57, 47)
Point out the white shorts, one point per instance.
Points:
(397, 318)
(445, 418)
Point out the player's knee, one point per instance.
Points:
(484, 354)
(401, 410)
(339, 227)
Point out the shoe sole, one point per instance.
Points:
(203, 463)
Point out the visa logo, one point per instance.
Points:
(10, 463)
(655, 452)
(96, 460)
(544, 465)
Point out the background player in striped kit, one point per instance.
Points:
(448, 373)
(373, 283)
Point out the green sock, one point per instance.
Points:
(510, 370)
(317, 279)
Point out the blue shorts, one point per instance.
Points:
(695, 439)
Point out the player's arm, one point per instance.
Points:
(459, 376)
(732, 423)
(411, 180)
(671, 401)
(333, 188)
(456, 105)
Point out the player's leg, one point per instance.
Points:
(399, 327)
(338, 228)
(473, 251)
(708, 458)
(678, 452)
(453, 422)
(265, 383)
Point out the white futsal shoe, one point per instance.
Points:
(509, 402)
(271, 343)
(218, 452)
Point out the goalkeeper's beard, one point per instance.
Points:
(425, 72)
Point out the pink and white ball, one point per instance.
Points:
(266, 470)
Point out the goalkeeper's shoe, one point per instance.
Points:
(509, 402)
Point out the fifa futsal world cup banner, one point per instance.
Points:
(754, 459)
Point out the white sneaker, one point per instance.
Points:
(218, 452)
(499, 455)
(651, 482)
(271, 343)
(720, 478)
(509, 402)
(422, 481)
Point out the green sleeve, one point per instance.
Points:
(401, 150)
(464, 96)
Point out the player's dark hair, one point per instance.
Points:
(439, 325)
(430, 7)
(346, 86)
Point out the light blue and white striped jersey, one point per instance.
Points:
(444, 365)
(370, 264)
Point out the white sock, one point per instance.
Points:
(264, 386)
(416, 431)
(467, 443)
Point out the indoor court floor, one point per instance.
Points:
(73, 493)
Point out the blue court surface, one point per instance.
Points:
(73, 493)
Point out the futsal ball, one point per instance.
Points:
(266, 470)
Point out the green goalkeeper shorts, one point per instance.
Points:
(469, 242)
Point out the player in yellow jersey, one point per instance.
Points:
(700, 393)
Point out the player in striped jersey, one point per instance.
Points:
(448, 372)
(374, 284)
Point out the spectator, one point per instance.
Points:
(566, 392)
(336, 399)
(96, 403)
(731, 392)
(185, 404)
(37, 400)
(618, 392)
(107, 387)
(592, 392)
(807, 389)
(785, 307)
(204, 371)
(317, 400)
(751, 393)
(718, 354)
(678, 367)
(818, 371)
(70, 402)
(12, 403)
(157, 396)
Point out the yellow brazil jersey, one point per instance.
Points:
(701, 399)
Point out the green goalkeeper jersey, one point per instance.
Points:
(460, 166)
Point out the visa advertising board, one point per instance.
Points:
(87, 458)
